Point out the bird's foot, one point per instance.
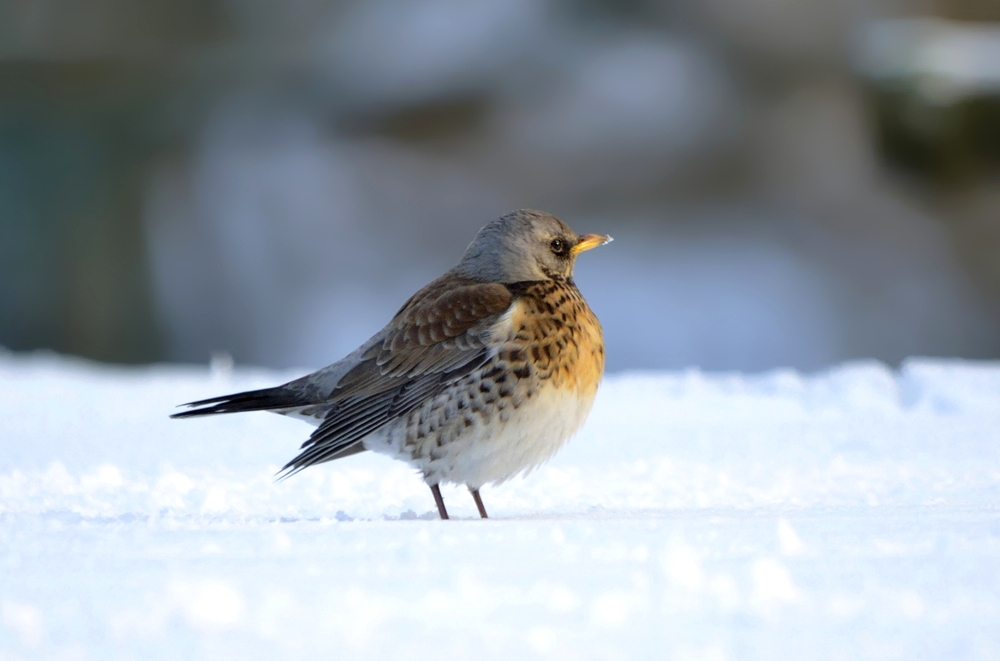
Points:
(439, 501)
(479, 502)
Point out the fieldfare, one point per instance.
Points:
(481, 375)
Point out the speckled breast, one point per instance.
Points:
(554, 334)
(518, 409)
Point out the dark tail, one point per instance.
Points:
(268, 399)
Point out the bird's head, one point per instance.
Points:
(524, 246)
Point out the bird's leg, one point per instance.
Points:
(439, 501)
(479, 502)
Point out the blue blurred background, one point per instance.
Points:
(789, 182)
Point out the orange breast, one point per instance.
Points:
(560, 336)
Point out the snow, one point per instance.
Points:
(851, 513)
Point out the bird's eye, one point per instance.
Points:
(560, 247)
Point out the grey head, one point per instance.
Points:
(524, 246)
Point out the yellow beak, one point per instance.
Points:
(588, 241)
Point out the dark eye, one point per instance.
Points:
(560, 247)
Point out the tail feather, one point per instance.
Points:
(268, 399)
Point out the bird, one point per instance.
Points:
(480, 376)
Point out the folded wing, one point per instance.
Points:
(438, 337)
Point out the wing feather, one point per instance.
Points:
(438, 337)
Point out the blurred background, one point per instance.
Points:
(789, 182)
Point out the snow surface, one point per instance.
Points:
(847, 514)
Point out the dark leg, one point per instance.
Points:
(439, 501)
(479, 502)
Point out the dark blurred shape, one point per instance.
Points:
(433, 121)
(969, 10)
(952, 144)
(74, 275)
(80, 85)
(935, 87)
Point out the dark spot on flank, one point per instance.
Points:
(522, 372)
(484, 387)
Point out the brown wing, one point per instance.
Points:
(435, 339)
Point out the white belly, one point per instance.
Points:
(494, 448)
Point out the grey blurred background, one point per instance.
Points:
(790, 182)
